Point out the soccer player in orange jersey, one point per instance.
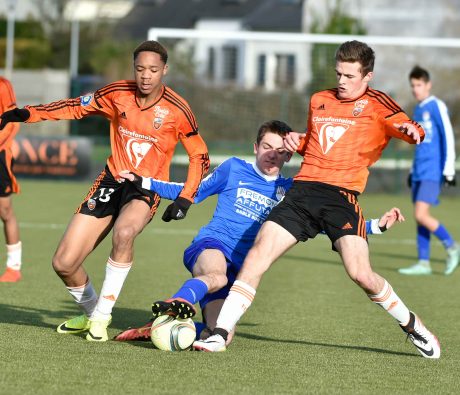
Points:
(9, 185)
(147, 119)
(348, 128)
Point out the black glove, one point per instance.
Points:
(409, 180)
(449, 181)
(176, 210)
(15, 115)
(137, 180)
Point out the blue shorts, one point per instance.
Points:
(426, 191)
(192, 253)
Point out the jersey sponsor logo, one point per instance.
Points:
(321, 107)
(123, 115)
(85, 100)
(329, 133)
(160, 114)
(137, 150)
(136, 145)
(244, 183)
(359, 107)
(253, 205)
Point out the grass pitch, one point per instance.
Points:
(310, 329)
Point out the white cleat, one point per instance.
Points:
(419, 269)
(427, 344)
(453, 257)
(214, 343)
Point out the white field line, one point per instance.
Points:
(384, 239)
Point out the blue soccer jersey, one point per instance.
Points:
(435, 156)
(245, 198)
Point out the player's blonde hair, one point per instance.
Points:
(356, 51)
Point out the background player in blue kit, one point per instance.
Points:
(433, 165)
(246, 194)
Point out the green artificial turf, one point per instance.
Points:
(310, 329)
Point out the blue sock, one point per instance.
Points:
(199, 326)
(442, 234)
(423, 243)
(192, 291)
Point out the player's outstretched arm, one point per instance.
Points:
(14, 115)
(294, 142)
(386, 221)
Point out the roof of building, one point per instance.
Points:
(269, 15)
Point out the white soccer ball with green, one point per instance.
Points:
(173, 334)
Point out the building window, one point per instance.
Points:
(261, 77)
(285, 70)
(230, 60)
(211, 69)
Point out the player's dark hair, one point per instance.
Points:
(278, 127)
(152, 46)
(419, 73)
(356, 51)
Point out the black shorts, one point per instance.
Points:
(107, 196)
(312, 207)
(8, 183)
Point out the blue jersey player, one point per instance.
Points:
(246, 194)
(433, 165)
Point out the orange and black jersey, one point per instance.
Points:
(7, 102)
(142, 139)
(345, 137)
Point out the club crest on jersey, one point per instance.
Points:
(91, 204)
(160, 115)
(359, 107)
(86, 100)
(280, 192)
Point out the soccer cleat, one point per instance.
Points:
(176, 307)
(419, 269)
(74, 325)
(142, 333)
(98, 329)
(453, 256)
(214, 343)
(427, 344)
(10, 276)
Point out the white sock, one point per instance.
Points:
(391, 302)
(115, 276)
(237, 302)
(85, 296)
(14, 256)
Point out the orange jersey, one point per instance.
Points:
(345, 137)
(7, 102)
(142, 139)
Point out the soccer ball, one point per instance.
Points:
(173, 334)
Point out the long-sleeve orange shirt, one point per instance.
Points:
(143, 140)
(345, 137)
(7, 102)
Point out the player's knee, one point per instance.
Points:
(363, 280)
(123, 235)
(6, 212)
(63, 266)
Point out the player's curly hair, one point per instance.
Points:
(278, 127)
(356, 51)
(419, 73)
(152, 46)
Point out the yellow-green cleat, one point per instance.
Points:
(74, 325)
(98, 329)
